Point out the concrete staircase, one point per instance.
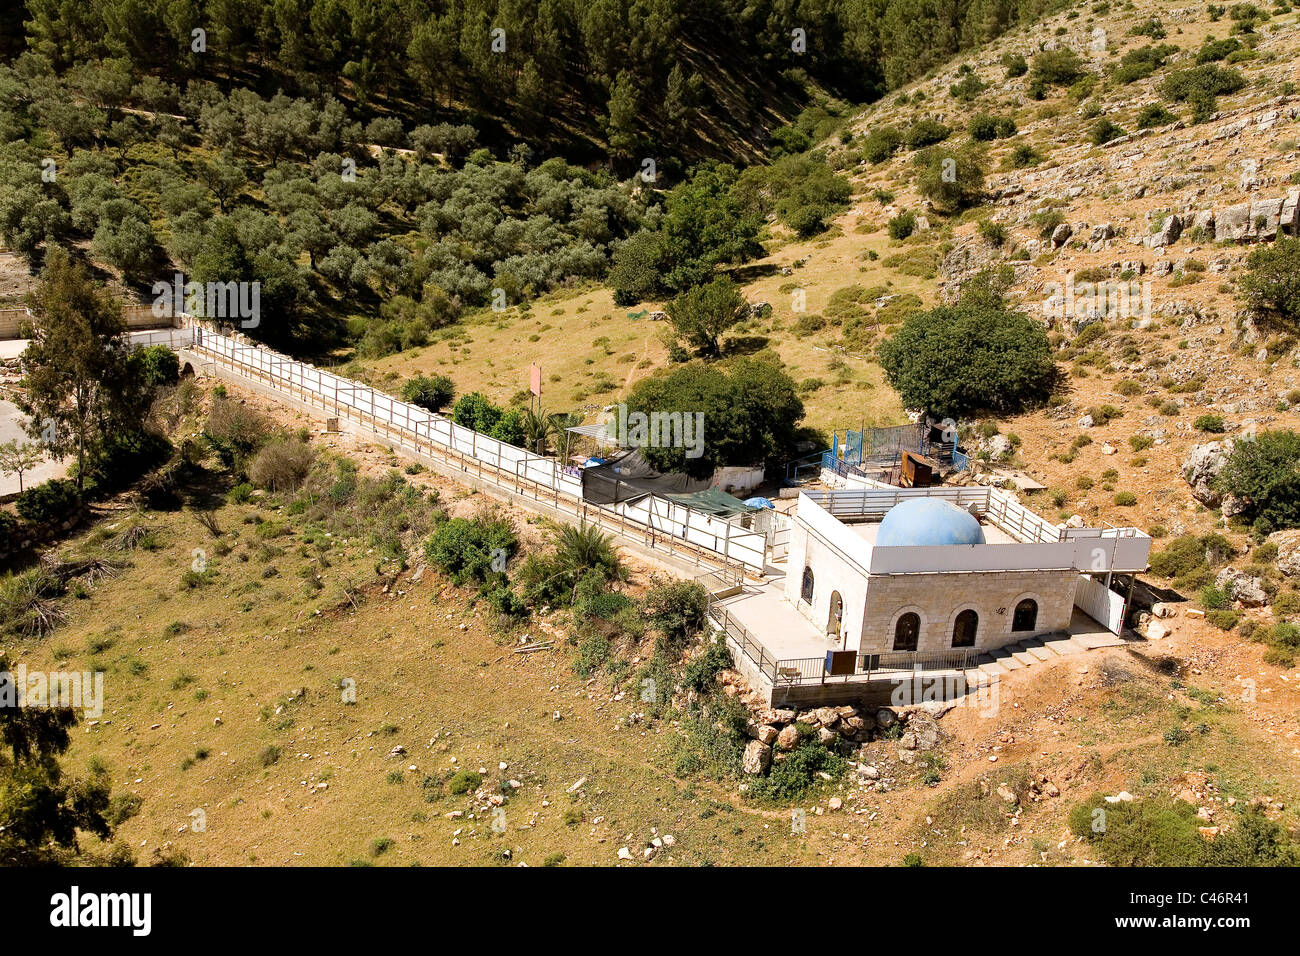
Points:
(1035, 650)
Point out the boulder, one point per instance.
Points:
(1264, 218)
(885, 718)
(1061, 234)
(1168, 232)
(1202, 466)
(757, 758)
(1289, 217)
(1246, 590)
(1232, 222)
(827, 717)
(787, 738)
(1204, 221)
(1288, 551)
(766, 733)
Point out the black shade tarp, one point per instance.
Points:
(629, 477)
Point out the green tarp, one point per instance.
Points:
(713, 501)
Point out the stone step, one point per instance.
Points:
(1021, 655)
(1035, 647)
(1003, 656)
(992, 669)
(1091, 641)
(1064, 645)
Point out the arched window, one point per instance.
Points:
(806, 589)
(906, 632)
(836, 614)
(1026, 616)
(964, 628)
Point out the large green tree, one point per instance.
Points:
(751, 413)
(80, 384)
(978, 355)
(700, 315)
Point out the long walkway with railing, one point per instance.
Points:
(655, 523)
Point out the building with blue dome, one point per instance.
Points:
(931, 574)
(926, 522)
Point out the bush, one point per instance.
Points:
(677, 608)
(281, 465)
(926, 132)
(1200, 85)
(156, 365)
(48, 503)
(1165, 832)
(881, 143)
(1209, 423)
(1125, 499)
(1153, 115)
(234, 431)
(799, 772)
(1103, 131)
(902, 225)
(1061, 67)
(465, 548)
(1015, 64)
(1271, 287)
(1265, 473)
(462, 782)
(950, 181)
(431, 392)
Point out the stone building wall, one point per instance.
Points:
(939, 598)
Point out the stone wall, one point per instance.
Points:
(938, 598)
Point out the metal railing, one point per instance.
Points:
(812, 670)
(419, 432)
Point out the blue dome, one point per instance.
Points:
(928, 521)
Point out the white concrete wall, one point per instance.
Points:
(831, 573)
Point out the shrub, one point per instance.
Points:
(1223, 619)
(1199, 85)
(1265, 473)
(1015, 64)
(881, 143)
(799, 772)
(281, 465)
(48, 503)
(1271, 286)
(1125, 499)
(902, 225)
(1153, 115)
(1060, 67)
(1103, 131)
(431, 392)
(156, 365)
(463, 781)
(926, 132)
(677, 608)
(1209, 423)
(950, 181)
(465, 548)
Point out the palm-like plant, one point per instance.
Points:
(559, 424)
(536, 427)
(586, 548)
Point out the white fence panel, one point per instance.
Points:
(417, 427)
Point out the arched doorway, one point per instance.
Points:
(964, 628)
(907, 631)
(806, 586)
(836, 615)
(1026, 616)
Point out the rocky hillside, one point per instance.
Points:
(1134, 156)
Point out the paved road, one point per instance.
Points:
(11, 427)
